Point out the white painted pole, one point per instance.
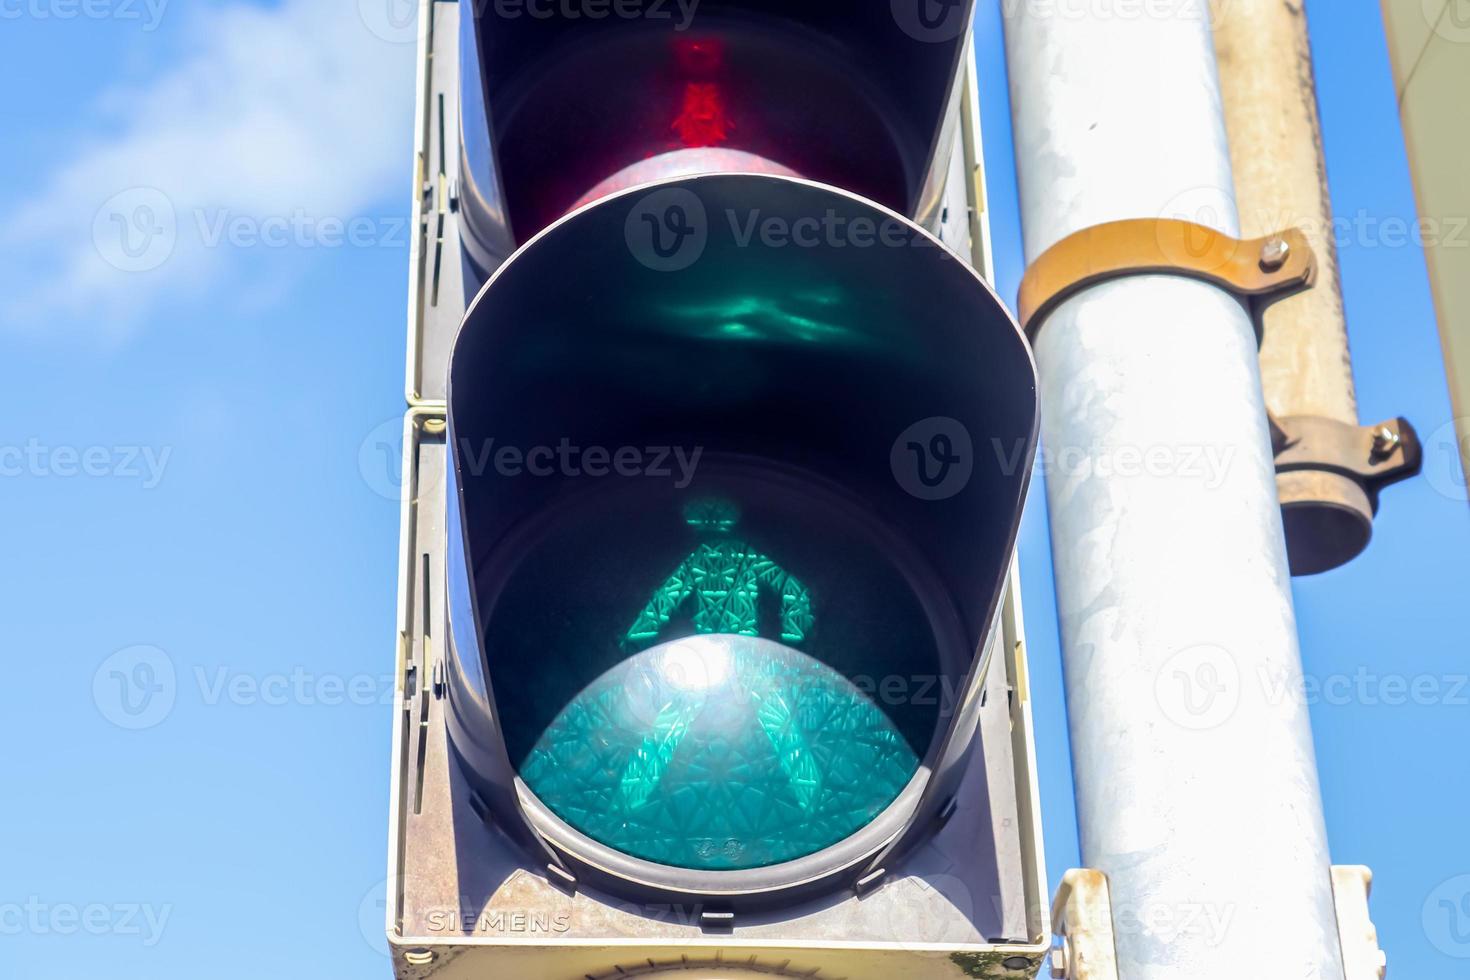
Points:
(1196, 780)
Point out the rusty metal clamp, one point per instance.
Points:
(1317, 459)
(1260, 271)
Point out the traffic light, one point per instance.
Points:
(557, 110)
(778, 377)
(708, 539)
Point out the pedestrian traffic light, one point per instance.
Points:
(694, 726)
(725, 483)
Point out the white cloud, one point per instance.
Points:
(287, 121)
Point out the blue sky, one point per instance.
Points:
(193, 490)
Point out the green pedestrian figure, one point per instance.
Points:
(725, 576)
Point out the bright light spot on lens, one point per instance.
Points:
(694, 666)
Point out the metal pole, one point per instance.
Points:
(1196, 780)
(1270, 98)
(1276, 156)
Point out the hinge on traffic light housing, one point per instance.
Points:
(1260, 271)
(716, 920)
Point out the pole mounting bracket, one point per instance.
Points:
(1362, 958)
(1082, 918)
(1328, 476)
(1372, 455)
(1258, 270)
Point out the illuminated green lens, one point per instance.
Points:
(720, 752)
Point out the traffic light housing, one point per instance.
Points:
(557, 109)
(791, 620)
(783, 367)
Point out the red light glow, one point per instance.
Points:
(702, 120)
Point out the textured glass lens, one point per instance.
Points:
(720, 752)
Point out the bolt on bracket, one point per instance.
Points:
(1329, 474)
(1260, 271)
(1373, 455)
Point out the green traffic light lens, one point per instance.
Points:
(720, 752)
(730, 677)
